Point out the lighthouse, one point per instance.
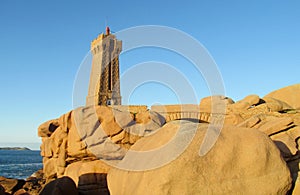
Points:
(104, 86)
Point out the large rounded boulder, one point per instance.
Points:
(289, 95)
(242, 161)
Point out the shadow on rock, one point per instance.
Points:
(291, 160)
(92, 184)
(61, 186)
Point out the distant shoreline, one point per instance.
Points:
(14, 148)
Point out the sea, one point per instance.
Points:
(19, 164)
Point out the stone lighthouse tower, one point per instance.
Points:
(104, 87)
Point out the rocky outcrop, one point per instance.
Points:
(83, 143)
(31, 186)
(255, 151)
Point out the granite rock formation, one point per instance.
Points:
(257, 150)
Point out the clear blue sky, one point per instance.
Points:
(256, 45)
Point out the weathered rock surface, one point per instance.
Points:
(276, 105)
(21, 192)
(77, 169)
(289, 95)
(236, 164)
(246, 103)
(47, 128)
(218, 103)
(35, 183)
(11, 185)
(30, 186)
(276, 124)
